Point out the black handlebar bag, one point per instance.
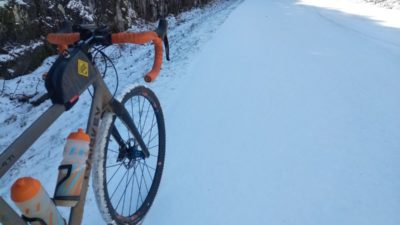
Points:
(70, 75)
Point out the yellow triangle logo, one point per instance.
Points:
(83, 68)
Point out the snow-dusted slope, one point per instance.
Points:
(287, 114)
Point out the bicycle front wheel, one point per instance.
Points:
(125, 182)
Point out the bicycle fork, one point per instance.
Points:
(123, 114)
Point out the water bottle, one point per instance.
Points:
(34, 202)
(72, 169)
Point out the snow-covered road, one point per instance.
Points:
(287, 113)
(290, 116)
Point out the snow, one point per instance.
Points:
(5, 2)
(21, 2)
(286, 118)
(5, 57)
(13, 51)
(83, 10)
(391, 4)
(277, 112)
(23, 48)
(382, 16)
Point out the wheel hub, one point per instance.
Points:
(130, 153)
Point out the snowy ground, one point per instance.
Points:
(382, 16)
(299, 122)
(391, 4)
(277, 112)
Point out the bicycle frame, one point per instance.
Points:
(103, 101)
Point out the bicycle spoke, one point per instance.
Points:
(140, 193)
(141, 111)
(140, 116)
(145, 183)
(118, 164)
(133, 184)
(155, 146)
(119, 184)
(145, 164)
(153, 138)
(123, 202)
(145, 118)
(131, 107)
(114, 173)
(142, 178)
(113, 151)
(124, 195)
(151, 128)
(129, 135)
(148, 170)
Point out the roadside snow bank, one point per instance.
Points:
(382, 16)
(391, 4)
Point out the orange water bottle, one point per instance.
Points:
(72, 169)
(34, 202)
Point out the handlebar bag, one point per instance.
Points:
(70, 75)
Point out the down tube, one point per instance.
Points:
(28, 137)
(101, 97)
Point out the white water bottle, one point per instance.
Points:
(72, 169)
(34, 202)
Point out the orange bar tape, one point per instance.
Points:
(63, 39)
(142, 38)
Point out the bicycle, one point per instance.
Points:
(121, 133)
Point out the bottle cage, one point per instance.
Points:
(70, 75)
